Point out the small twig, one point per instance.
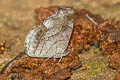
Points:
(91, 19)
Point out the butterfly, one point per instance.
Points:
(51, 38)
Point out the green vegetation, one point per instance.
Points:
(96, 67)
(94, 50)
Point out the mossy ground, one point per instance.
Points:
(94, 66)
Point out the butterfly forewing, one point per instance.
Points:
(54, 40)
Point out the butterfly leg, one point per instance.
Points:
(48, 58)
(60, 59)
(64, 54)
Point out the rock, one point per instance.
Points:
(114, 60)
(117, 75)
(108, 36)
(40, 68)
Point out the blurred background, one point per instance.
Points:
(17, 17)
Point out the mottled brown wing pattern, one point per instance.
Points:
(51, 38)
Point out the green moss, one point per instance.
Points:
(94, 50)
(96, 67)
